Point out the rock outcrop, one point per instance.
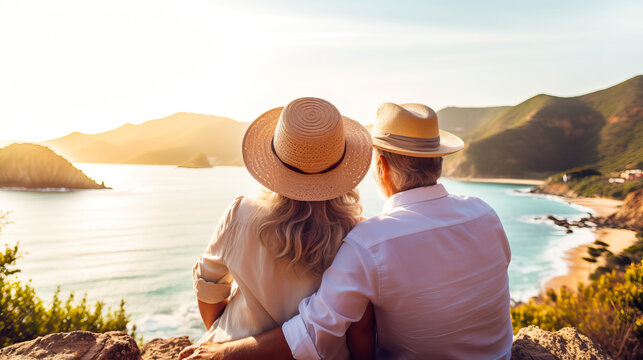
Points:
(162, 349)
(532, 343)
(35, 167)
(630, 215)
(83, 345)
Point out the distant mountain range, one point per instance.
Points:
(534, 139)
(172, 140)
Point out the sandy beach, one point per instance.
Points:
(618, 239)
(602, 206)
(502, 181)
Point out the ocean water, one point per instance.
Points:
(139, 241)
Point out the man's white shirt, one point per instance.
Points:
(435, 267)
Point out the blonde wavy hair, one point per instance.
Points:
(307, 234)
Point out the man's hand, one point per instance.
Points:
(205, 351)
(269, 345)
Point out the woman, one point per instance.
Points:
(269, 253)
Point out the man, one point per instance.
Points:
(433, 265)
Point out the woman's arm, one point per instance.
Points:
(360, 336)
(211, 312)
(212, 280)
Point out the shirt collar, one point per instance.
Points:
(416, 195)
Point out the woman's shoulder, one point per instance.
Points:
(236, 222)
(242, 209)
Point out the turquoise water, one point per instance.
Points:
(140, 240)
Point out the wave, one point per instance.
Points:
(558, 249)
(556, 198)
(183, 320)
(559, 243)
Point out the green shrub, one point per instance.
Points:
(24, 316)
(600, 186)
(609, 311)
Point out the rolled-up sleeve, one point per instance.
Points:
(347, 287)
(211, 279)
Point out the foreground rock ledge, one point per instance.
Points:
(530, 343)
(84, 345)
(75, 345)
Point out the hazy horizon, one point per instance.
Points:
(8, 141)
(92, 67)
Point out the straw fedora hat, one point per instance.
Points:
(307, 150)
(412, 130)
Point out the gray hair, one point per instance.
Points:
(408, 172)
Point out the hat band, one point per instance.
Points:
(409, 142)
(298, 170)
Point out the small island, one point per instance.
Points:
(31, 166)
(198, 161)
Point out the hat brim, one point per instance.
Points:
(449, 144)
(269, 171)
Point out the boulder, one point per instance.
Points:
(165, 349)
(79, 345)
(533, 343)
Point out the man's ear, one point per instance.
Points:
(383, 167)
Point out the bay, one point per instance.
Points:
(139, 241)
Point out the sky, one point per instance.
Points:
(91, 66)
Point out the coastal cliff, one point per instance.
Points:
(36, 167)
(630, 215)
(530, 343)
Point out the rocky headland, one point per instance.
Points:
(198, 161)
(31, 166)
(628, 214)
(554, 188)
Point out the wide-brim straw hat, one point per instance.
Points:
(412, 130)
(307, 150)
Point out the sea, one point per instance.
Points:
(139, 240)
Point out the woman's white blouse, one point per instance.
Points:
(262, 292)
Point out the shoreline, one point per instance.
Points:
(507, 181)
(601, 206)
(578, 270)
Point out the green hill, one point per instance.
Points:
(547, 134)
(34, 167)
(168, 141)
